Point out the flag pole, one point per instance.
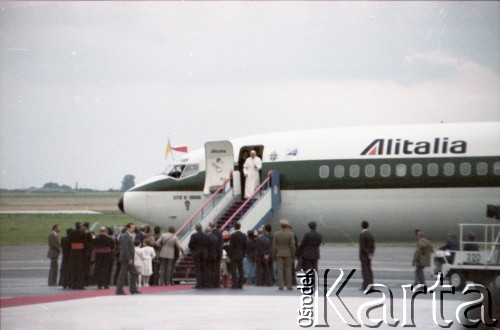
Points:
(170, 150)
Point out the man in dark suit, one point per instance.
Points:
(126, 258)
(366, 251)
(141, 234)
(308, 250)
(198, 246)
(238, 243)
(211, 264)
(53, 254)
(271, 262)
(262, 255)
(217, 233)
(452, 245)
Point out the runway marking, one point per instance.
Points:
(376, 269)
(52, 212)
(41, 299)
(24, 262)
(26, 268)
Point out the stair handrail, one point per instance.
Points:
(257, 190)
(200, 209)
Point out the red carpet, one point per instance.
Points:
(89, 293)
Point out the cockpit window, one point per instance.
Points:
(176, 171)
(190, 170)
(181, 171)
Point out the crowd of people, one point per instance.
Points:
(221, 259)
(260, 257)
(95, 259)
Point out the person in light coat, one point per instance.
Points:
(167, 244)
(422, 256)
(251, 168)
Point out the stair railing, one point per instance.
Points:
(249, 200)
(200, 213)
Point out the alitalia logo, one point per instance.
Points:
(381, 147)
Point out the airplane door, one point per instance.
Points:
(219, 164)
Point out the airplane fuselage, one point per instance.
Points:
(398, 178)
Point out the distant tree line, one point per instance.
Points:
(128, 182)
(53, 187)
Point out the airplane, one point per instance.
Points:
(398, 178)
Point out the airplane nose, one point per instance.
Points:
(121, 205)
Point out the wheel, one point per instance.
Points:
(457, 280)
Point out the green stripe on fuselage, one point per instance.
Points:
(305, 175)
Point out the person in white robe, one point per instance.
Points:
(251, 169)
(149, 255)
(139, 258)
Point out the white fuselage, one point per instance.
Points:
(400, 178)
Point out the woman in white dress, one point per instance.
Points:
(138, 261)
(149, 255)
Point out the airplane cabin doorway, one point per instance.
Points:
(244, 153)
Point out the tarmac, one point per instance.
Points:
(28, 303)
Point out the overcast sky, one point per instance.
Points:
(91, 91)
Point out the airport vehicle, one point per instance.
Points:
(478, 259)
(399, 178)
(480, 266)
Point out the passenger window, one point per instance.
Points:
(354, 171)
(496, 168)
(432, 169)
(190, 170)
(465, 169)
(385, 170)
(482, 168)
(339, 171)
(416, 170)
(370, 171)
(449, 169)
(324, 171)
(401, 170)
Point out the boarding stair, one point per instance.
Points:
(234, 209)
(209, 211)
(251, 213)
(259, 207)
